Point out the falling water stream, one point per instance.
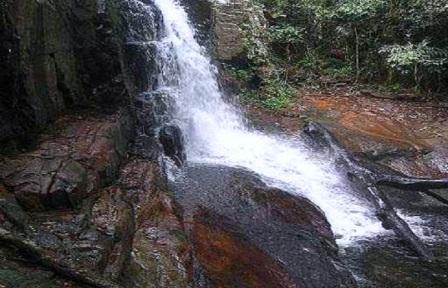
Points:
(215, 133)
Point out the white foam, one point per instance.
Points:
(215, 133)
(422, 228)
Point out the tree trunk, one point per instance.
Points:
(355, 29)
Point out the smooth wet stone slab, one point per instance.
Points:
(235, 218)
(386, 264)
(408, 137)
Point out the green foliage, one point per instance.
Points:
(286, 34)
(416, 59)
(358, 10)
(248, 96)
(272, 95)
(405, 57)
(379, 41)
(241, 74)
(276, 95)
(342, 71)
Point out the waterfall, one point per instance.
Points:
(215, 133)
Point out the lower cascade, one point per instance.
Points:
(216, 133)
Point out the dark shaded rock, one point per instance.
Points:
(200, 13)
(14, 274)
(141, 63)
(11, 211)
(143, 20)
(152, 110)
(385, 264)
(171, 138)
(53, 58)
(68, 167)
(287, 232)
(49, 259)
(142, 25)
(130, 234)
(405, 272)
(39, 66)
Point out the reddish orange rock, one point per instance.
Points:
(231, 261)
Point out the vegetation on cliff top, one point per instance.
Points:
(398, 44)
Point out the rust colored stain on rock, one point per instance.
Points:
(409, 137)
(231, 261)
(380, 127)
(323, 103)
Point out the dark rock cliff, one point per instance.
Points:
(78, 190)
(60, 56)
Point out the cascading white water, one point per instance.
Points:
(215, 133)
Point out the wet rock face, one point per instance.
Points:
(160, 252)
(171, 138)
(153, 252)
(142, 24)
(67, 168)
(153, 110)
(235, 218)
(127, 235)
(57, 56)
(200, 13)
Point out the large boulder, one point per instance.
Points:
(236, 219)
(234, 30)
(227, 259)
(69, 166)
(128, 235)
